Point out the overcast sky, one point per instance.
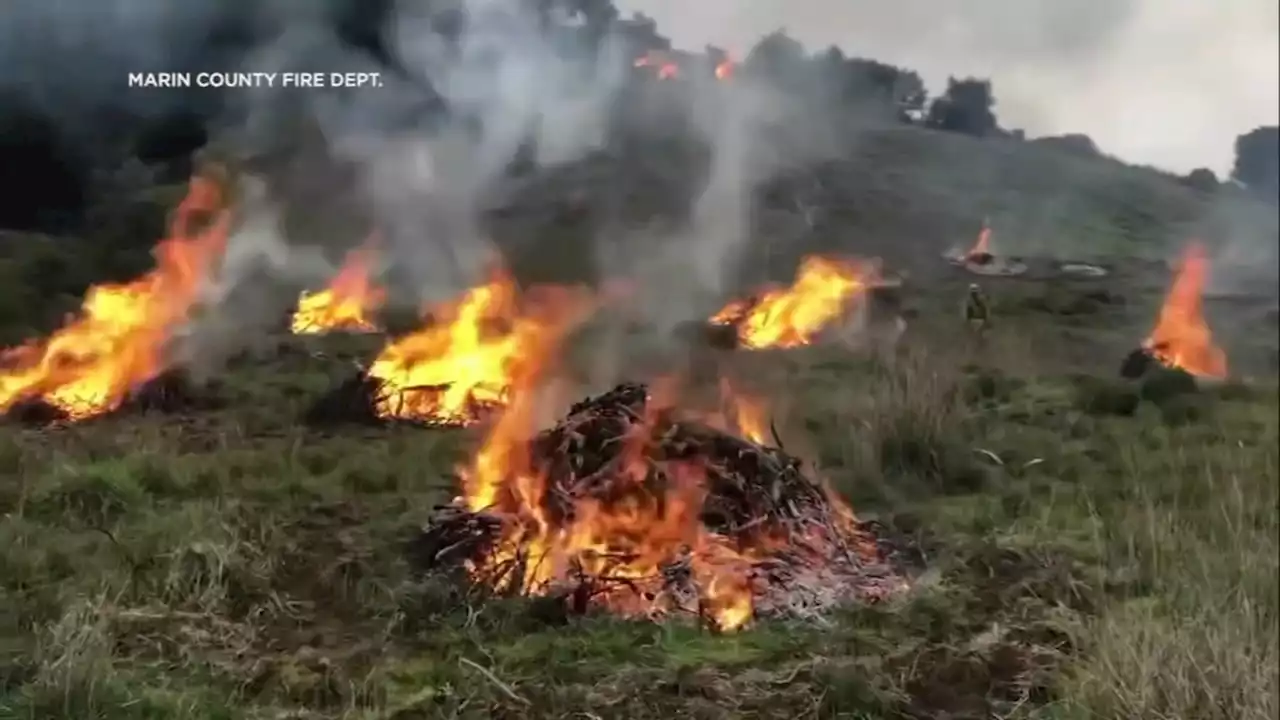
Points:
(1169, 83)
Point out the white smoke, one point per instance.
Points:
(421, 174)
(753, 131)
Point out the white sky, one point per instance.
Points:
(1169, 83)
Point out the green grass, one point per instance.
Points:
(1079, 563)
(1091, 548)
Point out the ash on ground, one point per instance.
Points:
(807, 553)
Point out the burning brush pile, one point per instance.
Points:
(348, 304)
(460, 366)
(981, 258)
(628, 507)
(171, 392)
(794, 316)
(1181, 339)
(114, 356)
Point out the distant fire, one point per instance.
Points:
(667, 68)
(789, 317)
(663, 68)
(981, 249)
(1181, 338)
(347, 304)
(118, 341)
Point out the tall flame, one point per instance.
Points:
(118, 340)
(793, 316)
(1181, 337)
(347, 304)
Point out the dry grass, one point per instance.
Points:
(1203, 643)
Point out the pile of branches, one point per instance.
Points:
(1145, 362)
(354, 401)
(357, 399)
(1138, 363)
(35, 411)
(171, 392)
(750, 490)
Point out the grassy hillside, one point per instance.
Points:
(908, 194)
(1088, 547)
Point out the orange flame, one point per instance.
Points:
(724, 70)
(1182, 338)
(983, 244)
(118, 341)
(741, 414)
(468, 360)
(793, 316)
(347, 304)
(629, 539)
(632, 537)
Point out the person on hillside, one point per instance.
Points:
(977, 311)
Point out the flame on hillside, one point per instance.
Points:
(118, 341)
(981, 250)
(663, 69)
(347, 304)
(666, 68)
(789, 317)
(473, 352)
(1181, 338)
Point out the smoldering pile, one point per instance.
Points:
(802, 552)
(172, 392)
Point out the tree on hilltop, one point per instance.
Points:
(966, 107)
(777, 55)
(860, 81)
(1257, 163)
